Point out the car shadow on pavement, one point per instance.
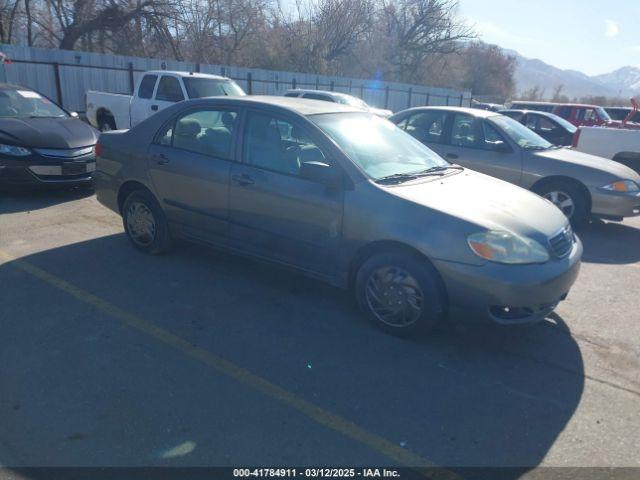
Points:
(13, 201)
(610, 242)
(84, 389)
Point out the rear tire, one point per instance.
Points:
(400, 293)
(106, 123)
(145, 223)
(569, 199)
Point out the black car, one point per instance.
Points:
(552, 128)
(40, 143)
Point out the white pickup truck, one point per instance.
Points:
(619, 144)
(154, 91)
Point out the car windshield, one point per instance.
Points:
(602, 113)
(520, 134)
(23, 103)
(208, 87)
(564, 123)
(376, 145)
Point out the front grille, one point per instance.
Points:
(562, 243)
(64, 152)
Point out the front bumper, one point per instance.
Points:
(508, 294)
(614, 204)
(54, 167)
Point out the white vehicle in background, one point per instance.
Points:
(154, 91)
(337, 97)
(619, 144)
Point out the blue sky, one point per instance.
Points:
(593, 36)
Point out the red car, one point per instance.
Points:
(581, 115)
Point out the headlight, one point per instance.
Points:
(622, 186)
(504, 247)
(14, 151)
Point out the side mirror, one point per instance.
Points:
(320, 172)
(74, 114)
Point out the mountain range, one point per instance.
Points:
(531, 72)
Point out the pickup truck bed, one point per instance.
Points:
(118, 116)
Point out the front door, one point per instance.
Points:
(478, 145)
(273, 211)
(189, 165)
(168, 92)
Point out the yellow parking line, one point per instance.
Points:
(312, 411)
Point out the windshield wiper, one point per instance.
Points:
(438, 170)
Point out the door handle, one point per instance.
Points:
(453, 156)
(243, 180)
(162, 159)
(154, 108)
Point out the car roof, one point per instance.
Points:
(525, 111)
(187, 74)
(302, 106)
(476, 112)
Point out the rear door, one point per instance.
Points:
(189, 164)
(274, 212)
(168, 91)
(477, 144)
(143, 99)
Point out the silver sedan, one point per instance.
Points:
(580, 185)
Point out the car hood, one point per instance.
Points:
(592, 161)
(63, 132)
(486, 202)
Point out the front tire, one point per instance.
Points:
(145, 223)
(569, 199)
(400, 293)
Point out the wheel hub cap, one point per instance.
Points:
(563, 201)
(141, 224)
(394, 296)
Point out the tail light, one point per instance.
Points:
(97, 149)
(574, 140)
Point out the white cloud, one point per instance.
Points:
(611, 28)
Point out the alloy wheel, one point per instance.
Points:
(561, 200)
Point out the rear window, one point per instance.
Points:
(146, 86)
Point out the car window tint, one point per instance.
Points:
(317, 96)
(564, 112)
(208, 132)
(463, 131)
(546, 125)
(491, 138)
(531, 122)
(169, 90)
(428, 127)
(277, 144)
(165, 135)
(291, 94)
(146, 86)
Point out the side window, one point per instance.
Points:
(564, 112)
(531, 122)
(208, 132)
(463, 131)
(169, 90)
(545, 125)
(146, 86)
(428, 127)
(317, 96)
(589, 115)
(291, 94)
(277, 144)
(491, 138)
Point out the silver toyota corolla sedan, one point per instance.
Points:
(344, 196)
(580, 185)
